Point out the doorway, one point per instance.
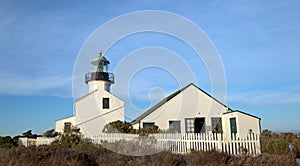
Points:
(233, 128)
(199, 125)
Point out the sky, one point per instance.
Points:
(257, 41)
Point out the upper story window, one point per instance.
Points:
(105, 103)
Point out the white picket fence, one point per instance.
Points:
(184, 143)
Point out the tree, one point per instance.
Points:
(29, 134)
(50, 133)
(7, 141)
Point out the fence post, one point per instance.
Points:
(219, 148)
(258, 150)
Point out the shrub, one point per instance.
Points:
(70, 140)
(278, 146)
(29, 134)
(7, 142)
(118, 126)
(149, 130)
(50, 133)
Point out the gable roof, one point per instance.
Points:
(165, 100)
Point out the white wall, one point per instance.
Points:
(91, 117)
(100, 85)
(24, 141)
(59, 124)
(244, 123)
(190, 103)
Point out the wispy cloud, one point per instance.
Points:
(18, 84)
(265, 98)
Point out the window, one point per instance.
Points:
(67, 127)
(175, 126)
(105, 103)
(148, 124)
(189, 125)
(216, 124)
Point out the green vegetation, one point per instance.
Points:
(279, 146)
(72, 141)
(7, 142)
(29, 134)
(118, 127)
(283, 143)
(50, 133)
(126, 127)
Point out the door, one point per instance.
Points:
(233, 128)
(199, 125)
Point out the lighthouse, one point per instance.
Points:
(99, 77)
(98, 107)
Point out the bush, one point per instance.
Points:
(29, 134)
(7, 142)
(279, 146)
(126, 127)
(50, 133)
(69, 140)
(296, 143)
(149, 130)
(118, 126)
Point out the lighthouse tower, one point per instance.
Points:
(98, 107)
(99, 78)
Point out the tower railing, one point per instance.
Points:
(104, 76)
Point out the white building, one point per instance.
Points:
(99, 107)
(192, 110)
(188, 110)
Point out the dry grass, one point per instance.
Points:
(77, 156)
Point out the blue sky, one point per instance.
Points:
(258, 42)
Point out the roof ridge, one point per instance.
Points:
(163, 101)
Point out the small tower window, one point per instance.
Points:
(105, 103)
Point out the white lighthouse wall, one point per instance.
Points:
(91, 117)
(60, 124)
(100, 85)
